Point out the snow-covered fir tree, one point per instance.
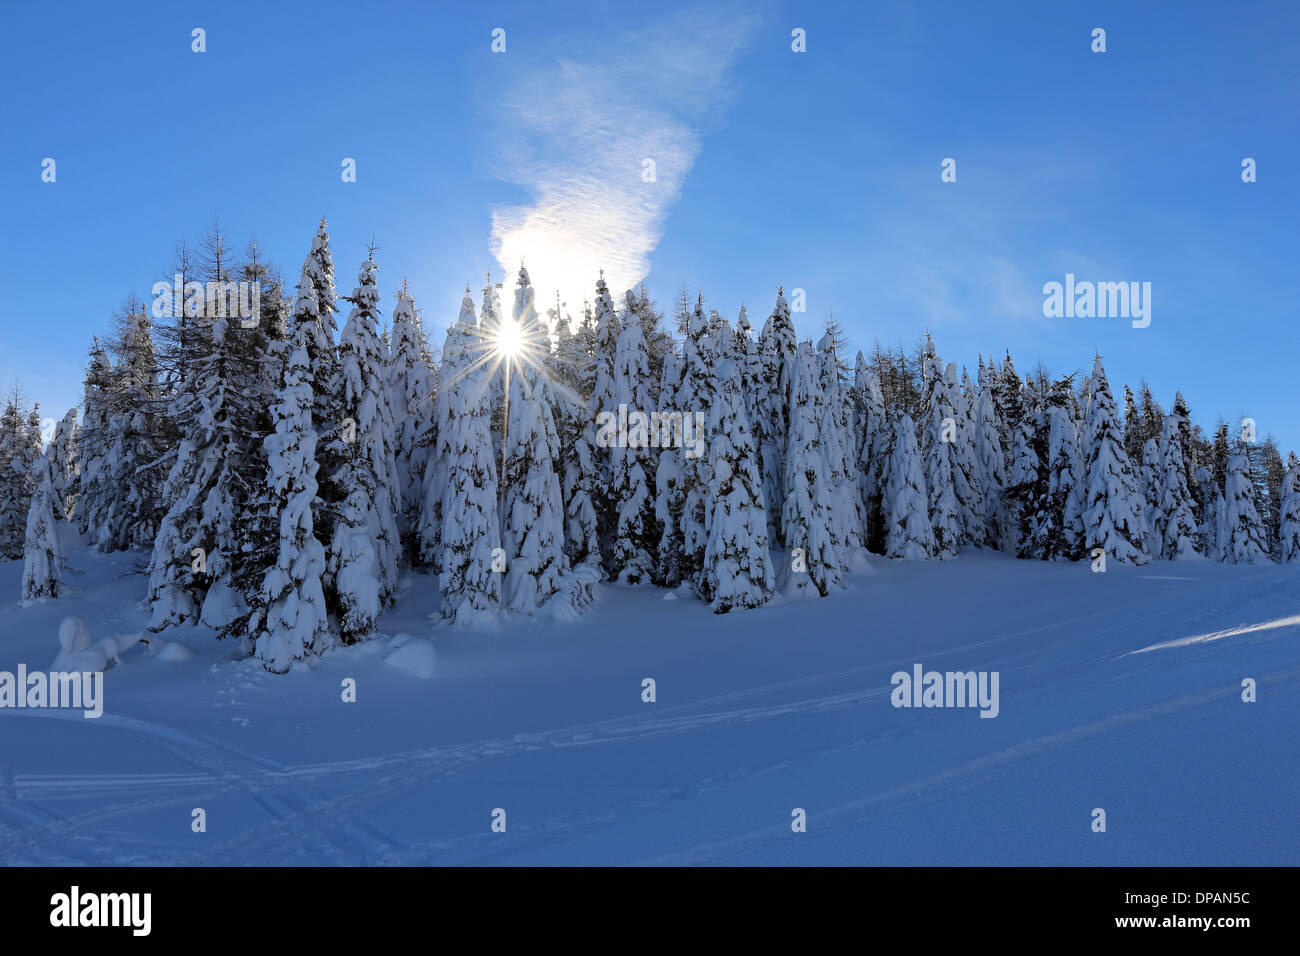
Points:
(989, 461)
(749, 364)
(130, 468)
(412, 386)
(1010, 410)
(636, 531)
(972, 517)
(94, 491)
(462, 352)
(570, 368)
(1244, 542)
(603, 399)
(908, 534)
(291, 623)
(1113, 507)
(16, 480)
(43, 564)
(669, 498)
(1150, 479)
(1024, 496)
(948, 490)
(533, 516)
(813, 566)
(838, 446)
(1289, 535)
(777, 346)
(1059, 526)
(533, 535)
(694, 399)
(737, 565)
(1175, 508)
(364, 549)
(220, 408)
(314, 310)
(470, 526)
(873, 437)
(65, 463)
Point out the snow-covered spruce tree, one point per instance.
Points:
(603, 399)
(1113, 519)
(813, 568)
(290, 622)
(533, 535)
(1245, 542)
(737, 565)
(461, 349)
(470, 527)
(875, 444)
(777, 346)
(43, 567)
(486, 349)
(219, 409)
(364, 549)
(1059, 529)
(314, 310)
(1211, 525)
(990, 462)
(412, 387)
(1149, 488)
(1083, 411)
(15, 480)
(1175, 507)
(1024, 499)
(837, 445)
(636, 531)
(668, 486)
(1009, 405)
(948, 491)
(1289, 535)
(65, 463)
(749, 363)
(129, 474)
(723, 338)
(533, 516)
(93, 489)
(908, 533)
(1133, 440)
(569, 365)
(1267, 474)
(694, 399)
(1188, 444)
(972, 517)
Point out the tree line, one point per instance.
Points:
(281, 473)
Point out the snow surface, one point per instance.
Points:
(758, 712)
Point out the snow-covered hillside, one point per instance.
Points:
(756, 715)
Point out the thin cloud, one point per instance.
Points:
(577, 135)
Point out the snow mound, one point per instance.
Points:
(175, 651)
(74, 636)
(415, 656)
(577, 593)
(77, 653)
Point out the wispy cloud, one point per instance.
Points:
(577, 135)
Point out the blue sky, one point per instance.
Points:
(819, 170)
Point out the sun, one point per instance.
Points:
(509, 339)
